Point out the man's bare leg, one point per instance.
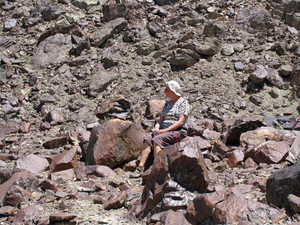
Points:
(145, 154)
(156, 148)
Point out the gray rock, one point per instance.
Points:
(238, 66)
(108, 59)
(214, 29)
(285, 70)
(85, 4)
(181, 60)
(227, 50)
(9, 24)
(108, 29)
(145, 48)
(100, 81)
(238, 47)
(165, 2)
(274, 78)
(53, 50)
(258, 76)
(51, 12)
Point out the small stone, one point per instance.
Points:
(9, 24)
(62, 217)
(238, 66)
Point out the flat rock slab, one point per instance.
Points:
(7, 210)
(62, 217)
(26, 215)
(32, 163)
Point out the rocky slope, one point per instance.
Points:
(66, 64)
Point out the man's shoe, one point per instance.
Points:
(137, 173)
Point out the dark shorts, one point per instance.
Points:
(166, 139)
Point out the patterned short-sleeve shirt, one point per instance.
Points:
(171, 113)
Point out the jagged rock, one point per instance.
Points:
(108, 59)
(25, 127)
(113, 10)
(237, 208)
(52, 51)
(24, 179)
(181, 60)
(64, 174)
(203, 205)
(227, 50)
(295, 77)
(64, 161)
(56, 142)
(259, 136)
(235, 158)
(220, 147)
(153, 27)
(83, 4)
(154, 108)
(115, 201)
(274, 78)
(193, 129)
(49, 184)
(271, 152)
(117, 107)
(238, 66)
(165, 2)
(51, 12)
(294, 203)
(15, 195)
(114, 143)
(32, 163)
(258, 76)
(172, 217)
(107, 30)
(27, 214)
(62, 217)
(100, 81)
(145, 48)
(9, 24)
(211, 135)
(282, 183)
(83, 44)
(285, 70)
(234, 128)
(97, 170)
(169, 173)
(7, 210)
(214, 29)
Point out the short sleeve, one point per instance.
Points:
(184, 108)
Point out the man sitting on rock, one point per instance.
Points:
(170, 128)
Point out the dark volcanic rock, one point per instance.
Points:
(282, 183)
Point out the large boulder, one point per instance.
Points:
(107, 30)
(114, 143)
(282, 183)
(52, 51)
(177, 176)
(32, 163)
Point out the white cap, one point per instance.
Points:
(174, 86)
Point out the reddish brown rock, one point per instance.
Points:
(26, 215)
(2, 163)
(259, 182)
(32, 163)
(220, 147)
(235, 158)
(294, 203)
(49, 184)
(172, 217)
(249, 163)
(58, 116)
(237, 208)
(115, 201)
(193, 129)
(211, 135)
(15, 195)
(64, 161)
(99, 200)
(204, 204)
(7, 130)
(62, 217)
(154, 108)
(64, 174)
(25, 127)
(56, 142)
(271, 152)
(7, 210)
(11, 139)
(233, 128)
(179, 164)
(117, 107)
(45, 126)
(25, 179)
(96, 170)
(114, 143)
(130, 166)
(259, 136)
